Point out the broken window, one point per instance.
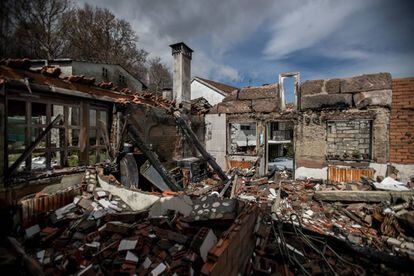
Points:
(243, 138)
(96, 134)
(349, 140)
(28, 119)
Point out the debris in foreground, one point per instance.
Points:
(246, 225)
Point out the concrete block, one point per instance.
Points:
(380, 81)
(311, 87)
(378, 98)
(266, 105)
(235, 107)
(326, 100)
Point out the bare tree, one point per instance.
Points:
(56, 28)
(96, 34)
(39, 26)
(159, 76)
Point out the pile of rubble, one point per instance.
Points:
(303, 227)
(102, 231)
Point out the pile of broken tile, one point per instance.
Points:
(109, 229)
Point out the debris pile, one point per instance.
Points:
(99, 232)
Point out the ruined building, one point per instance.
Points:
(97, 178)
(335, 129)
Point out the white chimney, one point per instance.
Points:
(182, 74)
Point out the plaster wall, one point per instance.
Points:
(200, 90)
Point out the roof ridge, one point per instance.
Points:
(225, 88)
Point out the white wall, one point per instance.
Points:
(114, 70)
(200, 90)
(215, 137)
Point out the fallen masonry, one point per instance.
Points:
(282, 226)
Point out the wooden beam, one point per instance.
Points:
(362, 196)
(32, 146)
(194, 140)
(134, 134)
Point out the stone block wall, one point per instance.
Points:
(360, 92)
(261, 99)
(351, 138)
(402, 122)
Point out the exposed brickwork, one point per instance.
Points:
(402, 121)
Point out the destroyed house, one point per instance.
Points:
(157, 208)
(55, 126)
(31, 102)
(335, 129)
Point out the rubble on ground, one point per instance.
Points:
(109, 229)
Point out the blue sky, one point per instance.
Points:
(246, 42)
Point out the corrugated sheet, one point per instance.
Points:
(348, 175)
(31, 208)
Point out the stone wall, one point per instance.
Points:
(351, 138)
(261, 99)
(360, 92)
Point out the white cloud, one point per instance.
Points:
(307, 25)
(205, 66)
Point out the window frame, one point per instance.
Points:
(229, 150)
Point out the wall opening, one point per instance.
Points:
(280, 151)
(243, 138)
(289, 90)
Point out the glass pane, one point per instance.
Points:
(92, 137)
(92, 117)
(57, 137)
(56, 159)
(15, 137)
(39, 113)
(13, 157)
(92, 157)
(73, 137)
(103, 116)
(35, 133)
(56, 110)
(73, 158)
(38, 160)
(74, 116)
(16, 112)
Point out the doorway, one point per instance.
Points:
(280, 153)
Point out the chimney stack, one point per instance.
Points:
(182, 74)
